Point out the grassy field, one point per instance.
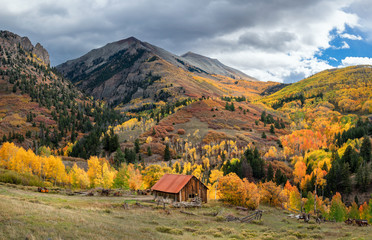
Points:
(26, 214)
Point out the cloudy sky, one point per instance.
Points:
(277, 40)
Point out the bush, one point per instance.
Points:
(181, 131)
(169, 230)
(25, 179)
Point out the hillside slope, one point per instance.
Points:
(346, 90)
(37, 106)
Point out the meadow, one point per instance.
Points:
(28, 214)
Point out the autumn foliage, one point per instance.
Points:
(239, 192)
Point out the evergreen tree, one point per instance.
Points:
(270, 173)
(232, 107)
(279, 177)
(119, 158)
(167, 155)
(365, 149)
(263, 117)
(363, 177)
(137, 145)
(263, 135)
(272, 130)
(227, 106)
(351, 157)
(130, 155)
(114, 142)
(338, 177)
(149, 153)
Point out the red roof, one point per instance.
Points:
(171, 183)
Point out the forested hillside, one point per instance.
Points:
(39, 107)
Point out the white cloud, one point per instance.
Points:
(351, 61)
(333, 59)
(351, 36)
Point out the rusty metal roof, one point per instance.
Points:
(171, 183)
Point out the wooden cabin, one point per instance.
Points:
(180, 188)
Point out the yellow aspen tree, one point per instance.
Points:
(95, 172)
(78, 177)
(213, 183)
(7, 151)
(198, 170)
(108, 176)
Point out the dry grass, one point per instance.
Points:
(32, 215)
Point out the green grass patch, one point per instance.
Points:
(164, 229)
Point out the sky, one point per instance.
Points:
(271, 40)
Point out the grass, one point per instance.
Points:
(28, 214)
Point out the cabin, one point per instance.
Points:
(180, 188)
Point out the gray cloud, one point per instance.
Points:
(235, 31)
(277, 41)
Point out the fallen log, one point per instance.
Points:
(254, 216)
(242, 208)
(213, 214)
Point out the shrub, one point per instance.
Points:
(181, 131)
(25, 179)
(169, 230)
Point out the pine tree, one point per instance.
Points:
(137, 145)
(263, 135)
(363, 177)
(263, 117)
(227, 106)
(365, 149)
(278, 177)
(119, 158)
(167, 155)
(338, 177)
(350, 157)
(270, 173)
(232, 107)
(149, 153)
(272, 130)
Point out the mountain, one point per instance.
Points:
(138, 72)
(346, 90)
(37, 106)
(214, 67)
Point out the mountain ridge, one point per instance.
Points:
(130, 69)
(9, 38)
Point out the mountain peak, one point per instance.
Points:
(195, 55)
(129, 40)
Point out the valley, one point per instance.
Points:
(123, 115)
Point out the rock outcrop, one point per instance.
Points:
(25, 44)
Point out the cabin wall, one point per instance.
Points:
(194, 188)
(172, 196)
